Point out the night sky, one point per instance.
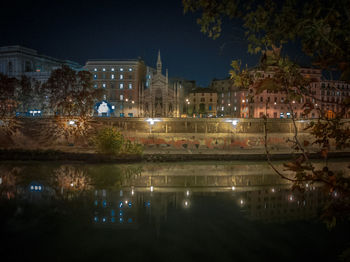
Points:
(82, 30)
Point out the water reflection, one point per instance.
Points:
(70, 178)
(128, 195)
(8, 180)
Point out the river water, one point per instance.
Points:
(193, 211)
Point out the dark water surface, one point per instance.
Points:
(200, 211)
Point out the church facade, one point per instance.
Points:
(158, 98)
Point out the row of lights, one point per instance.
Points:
(112, 69)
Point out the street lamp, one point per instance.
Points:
(151, 122)
(233, 121)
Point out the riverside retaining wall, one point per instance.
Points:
(187, 135)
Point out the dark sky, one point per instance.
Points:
(82, 30)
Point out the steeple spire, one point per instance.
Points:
(159, 63)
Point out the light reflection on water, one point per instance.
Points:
(158, 204)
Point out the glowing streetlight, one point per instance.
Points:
(71, 122)
(233, 188)
(233, 121)
(151, 121)
(151, 188)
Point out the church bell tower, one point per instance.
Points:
(159, 64)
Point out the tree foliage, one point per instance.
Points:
(322, 27)
(71, 92)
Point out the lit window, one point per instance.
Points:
(95, 76)
(121, 85)
(95, 86)
(121, 97)
(95, 69)
(130, 86)
(104, 69)
(130, 69)
(112, 69)
(104, 85)
(121, 69)
(112, 76)
(235, 108)
(121, 77)
(222, 108)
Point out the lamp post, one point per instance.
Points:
(188, 106)
(151, 122)
(186, 102)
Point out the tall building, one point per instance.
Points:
(158, 98)
(229, 97)
(323, 96)
(123, 82)
(16, 61)
(202, 102)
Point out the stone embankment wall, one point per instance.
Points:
(218, 135)
(193, 136)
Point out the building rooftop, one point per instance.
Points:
(13, 49)
(203, 90)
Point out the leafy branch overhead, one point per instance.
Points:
(322, 27)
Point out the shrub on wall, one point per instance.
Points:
(111, 141)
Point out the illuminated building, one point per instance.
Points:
(229, 97)
(202, 102)
(16, 61)
(122, 81)
(133, 89)
(324, 95)
(158, 98)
